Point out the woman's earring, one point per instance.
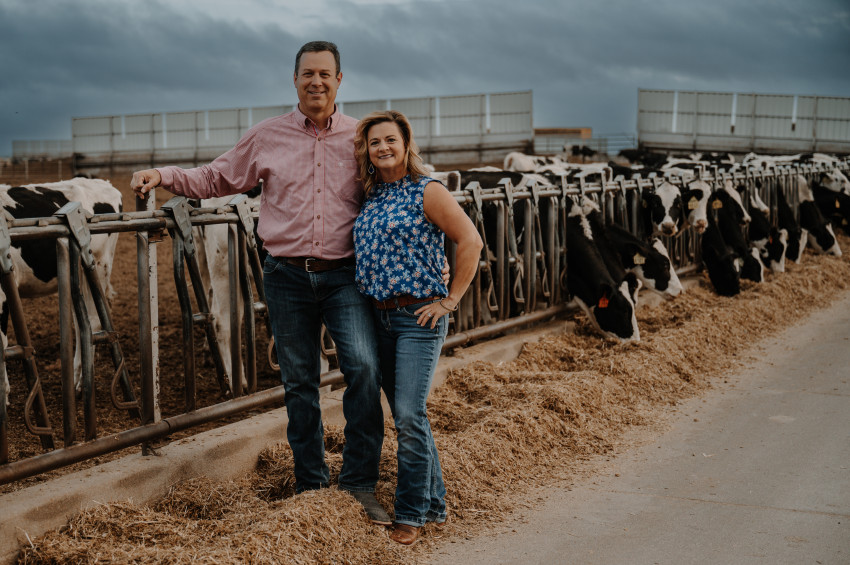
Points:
(371, 169)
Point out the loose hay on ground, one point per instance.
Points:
(500, 429)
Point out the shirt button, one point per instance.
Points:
(319, 217)
(318, 164)
(317, 243)
(318, 190)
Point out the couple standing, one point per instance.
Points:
(354, 230)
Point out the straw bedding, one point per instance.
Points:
(501, 430)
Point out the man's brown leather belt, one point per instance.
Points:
(400, 301)
(313, 265)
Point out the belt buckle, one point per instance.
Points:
(307, 264)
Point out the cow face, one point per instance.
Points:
(738, 207)
(663, 209)
(835, 181)
(658, 271)
(774, 250)
(722, 263)
(822, 237)
(614, 312)
(695, 203)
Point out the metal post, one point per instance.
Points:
(66, 342)
(148, 300)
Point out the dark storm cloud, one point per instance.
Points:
(584, 60)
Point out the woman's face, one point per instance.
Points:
(387, 150)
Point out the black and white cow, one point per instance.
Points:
(649, 261)
(34, 262)
(786, 220)
(662, 206)
(821, 235)
(215, 274)
(834, 204)
(608, 251)
(732, 219)
(609, 305)
(695, 197)
(720, 260)
(769, 240)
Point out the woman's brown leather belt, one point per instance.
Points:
(313, 265)
(401, 301)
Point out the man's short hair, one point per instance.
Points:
(316, 47)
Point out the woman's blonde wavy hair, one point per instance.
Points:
(412, 161)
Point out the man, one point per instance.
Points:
(310, 199)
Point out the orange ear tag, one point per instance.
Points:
(603, 302)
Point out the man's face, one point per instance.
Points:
(317, 82)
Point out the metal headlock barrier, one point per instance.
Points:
(521, 280)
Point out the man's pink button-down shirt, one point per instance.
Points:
(311, 195)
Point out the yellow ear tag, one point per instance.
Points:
(693, 203)
(717, 205)
(639, 259)
(837, 204)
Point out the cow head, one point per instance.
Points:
(658, 271)
(774, 250)
(739, 211)
(695, 203)
(614, 311)
(663, 209)
(835, 181)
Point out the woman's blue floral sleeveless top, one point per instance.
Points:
(398, 251)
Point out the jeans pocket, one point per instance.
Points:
(269, 265)
(411, 309)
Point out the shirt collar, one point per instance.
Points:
(309, 124)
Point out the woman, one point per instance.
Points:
(398, 243)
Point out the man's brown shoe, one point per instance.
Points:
(404, 534)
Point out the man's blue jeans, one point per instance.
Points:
(299, 302)
(409, 355)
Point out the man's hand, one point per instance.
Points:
(143, 181)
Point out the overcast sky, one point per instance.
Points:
(583, 60)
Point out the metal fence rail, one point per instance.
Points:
(519, 281)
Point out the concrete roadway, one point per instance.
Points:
(757, 471)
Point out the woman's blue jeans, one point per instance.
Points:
(409, 355)
(299, 302)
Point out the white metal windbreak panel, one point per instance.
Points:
(359, 109)
(461, 106)
(511, 103)
(412, 108)
(511, 113)
(224, 119)
(90, 126)
(834, 108)
(756, 122)
(462, 115)
(656, 100)
(180, 121)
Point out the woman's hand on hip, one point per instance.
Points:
(431, 313)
